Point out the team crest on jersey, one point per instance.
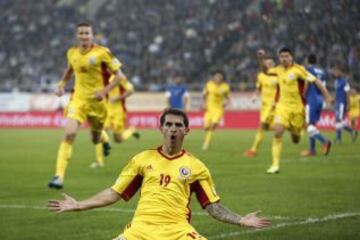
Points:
(291, 76)
(92, 60)
(185, 173)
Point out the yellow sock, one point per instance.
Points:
(276, 151)
(104, 137)
(128, 133)
(208, 138)
(64, 154)
(259, 137)
(99, 154)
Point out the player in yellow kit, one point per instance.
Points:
(89, 62)
(216, 96)
(267, 85)
(290, 106)
(166, 177)
(116, 117)
(354, 111)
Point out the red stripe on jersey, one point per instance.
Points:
(132, 188)
(188, 207)
(301, 86)
(277, 94)
(171, 158)
(105, 74)
(121, 92)
(200, 194)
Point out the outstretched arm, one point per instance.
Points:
(324, 91)
(223, 214)
(68, 72)
(69, 204)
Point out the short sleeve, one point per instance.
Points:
(227, 91)
(129, 180)
(305, 75)
(68, 56)
(126, 85)
(258, 82)
(204, 188)
(110, 61)
(347, 87)
(206, 89)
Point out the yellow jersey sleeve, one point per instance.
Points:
(258, 81)
(227, 91)
(129, 180)
(128, 86)
(206, 89)
(110, 61)
(204, 188)
(304, 74)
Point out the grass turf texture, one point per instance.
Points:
(314, 187)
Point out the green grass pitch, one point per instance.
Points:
(315, 198)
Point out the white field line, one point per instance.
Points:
(108, 209)
(310, 220)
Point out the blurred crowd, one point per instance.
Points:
(158, 39)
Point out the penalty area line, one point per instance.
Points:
(310, 220)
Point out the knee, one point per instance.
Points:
(95, 138)
(117, 138)
(312, 130)
(70, 137)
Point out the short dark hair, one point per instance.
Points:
(312, 59)
(218, 71)
(285, 49)
(174, 111)
(83, 24)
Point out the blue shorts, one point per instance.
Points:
(313, 112)
(340, 110)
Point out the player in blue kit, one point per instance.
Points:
(342, 97)
(313, 108)
(177, 95)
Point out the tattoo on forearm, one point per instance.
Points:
(221, 213)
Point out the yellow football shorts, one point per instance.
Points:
(267, 114)
(93, 111)
(354, 113)
(116, 120)
(212, 117)
(145, 231)
(293, 120)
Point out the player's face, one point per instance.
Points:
(269, 63)
(174, 129)
(84, 35)
(177, 80)
(286, 59)
(337, 72)
(218, 78)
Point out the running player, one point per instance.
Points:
(216, 96)
(89, 62)
(313, 109)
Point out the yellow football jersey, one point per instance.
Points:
(117, 91)
(354, 106)
(267, 84)
(90, 70)
(216, 94)
(291, 82)
(166, 185)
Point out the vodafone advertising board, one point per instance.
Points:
(45, 111)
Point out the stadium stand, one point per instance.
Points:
(157, 39)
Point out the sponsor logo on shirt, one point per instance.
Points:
(92, 60)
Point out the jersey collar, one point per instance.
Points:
(173, 157)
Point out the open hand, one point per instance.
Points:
(59, 91)
(252, 220)
(100, 95)
(67, 205)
